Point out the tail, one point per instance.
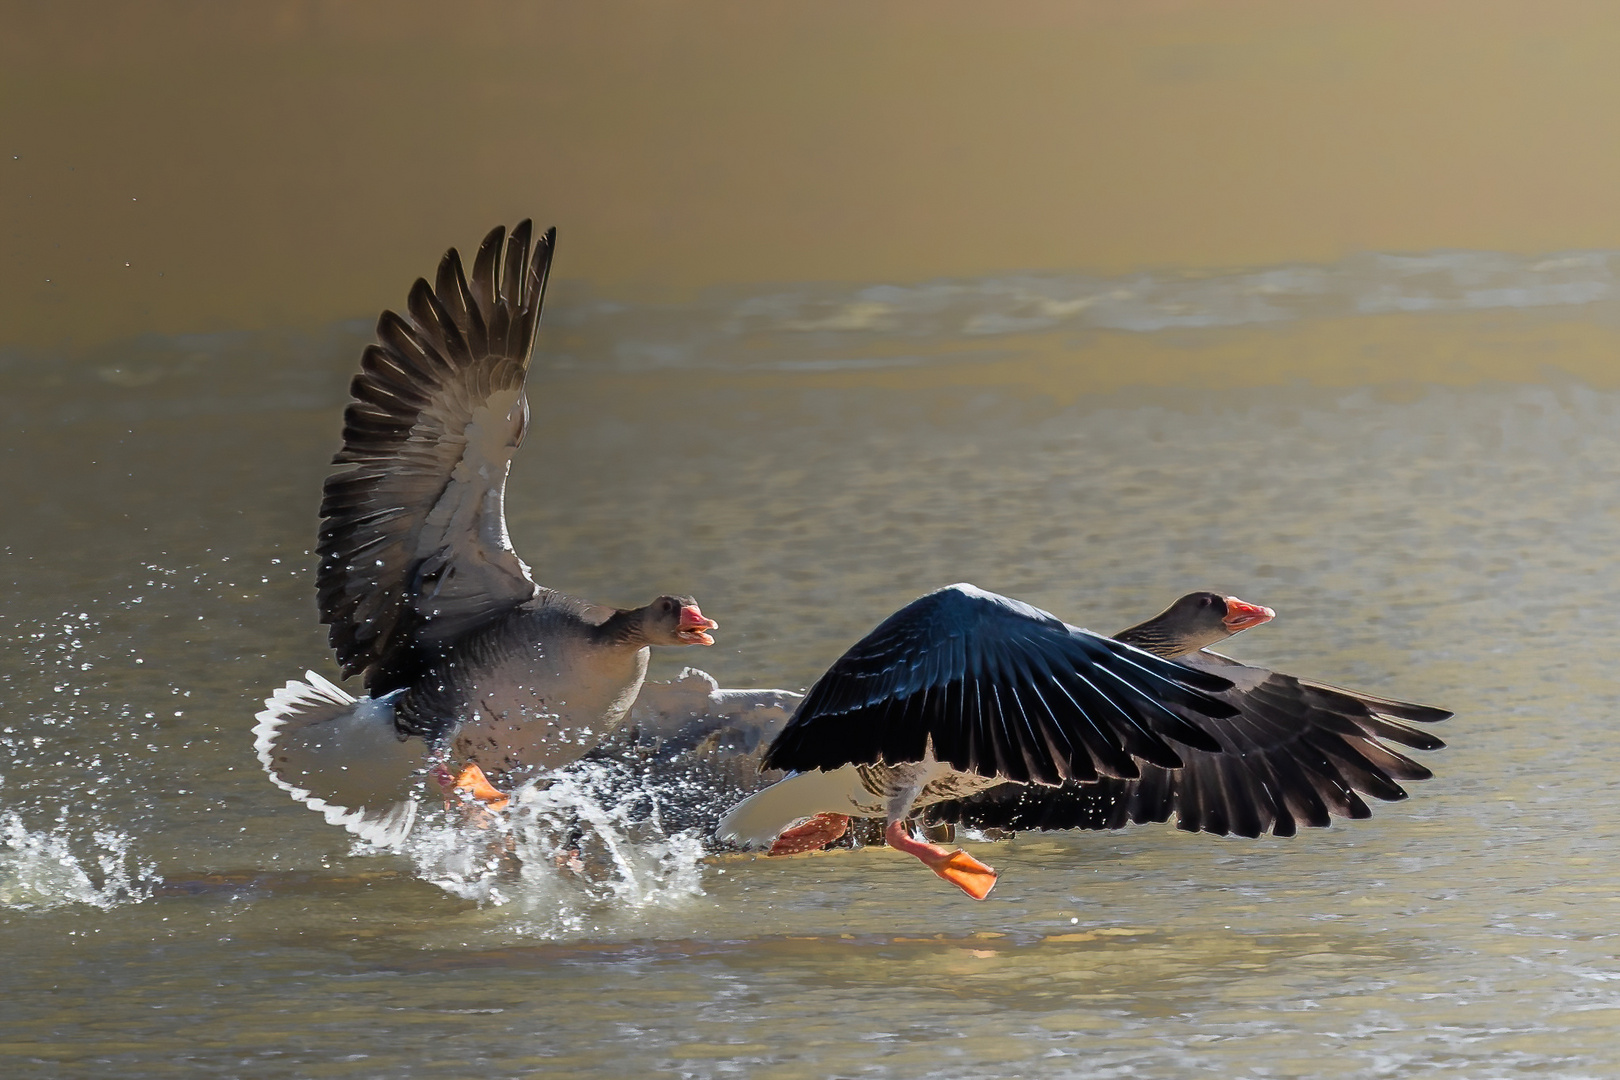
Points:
(761, 818)
(342, 756)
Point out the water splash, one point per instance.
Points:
(69, 743)
(572, 849)
(41, 869)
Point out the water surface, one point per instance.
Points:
(804, 461)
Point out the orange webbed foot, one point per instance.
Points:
(957, 867)
(474, 783)
(966, 873)
(472, 790)
(813, 835)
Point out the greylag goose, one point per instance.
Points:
(471, 668)
(1299, 752)
(949, 707)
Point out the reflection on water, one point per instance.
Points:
(166, 911)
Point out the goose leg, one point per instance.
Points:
(470, 783)
(957, 867)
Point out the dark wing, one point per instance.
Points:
(998, 688)
(1298, 753)
(413, 538)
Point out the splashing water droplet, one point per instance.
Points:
(573, 849)
(41, 870)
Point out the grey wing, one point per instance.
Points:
(1296, 753)
(413, 536)
(692, 715)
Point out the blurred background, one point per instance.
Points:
(202, 167)
(1091, 303)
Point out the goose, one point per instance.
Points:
(473, 672)
(968, 707)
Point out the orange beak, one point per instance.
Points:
(694, 627)
(1241, 615)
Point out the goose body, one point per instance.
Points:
(468, 664)
(863, 791)
(535, 689)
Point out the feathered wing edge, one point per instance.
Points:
(1301, 753)
(1035, 701)
(317, 731)
(447, 374)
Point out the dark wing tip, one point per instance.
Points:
(1400, 710)
(540, 269)
(1199, 679)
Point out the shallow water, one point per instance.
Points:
(804, 465)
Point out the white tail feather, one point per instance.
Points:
(342, 756)
(761, 818)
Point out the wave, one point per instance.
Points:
(836, 326)
(809, 327)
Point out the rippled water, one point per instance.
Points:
(165, 911)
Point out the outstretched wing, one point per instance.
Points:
(999, 688)
(1297, 753)
(413, 537)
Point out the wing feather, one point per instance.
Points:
(958, 670)
(1296, 753)
(413, 541)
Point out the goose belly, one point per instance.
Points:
(934, 782)
(531, 714)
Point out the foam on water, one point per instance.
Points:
(42, 869)
(572, 850)
(68, 750)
